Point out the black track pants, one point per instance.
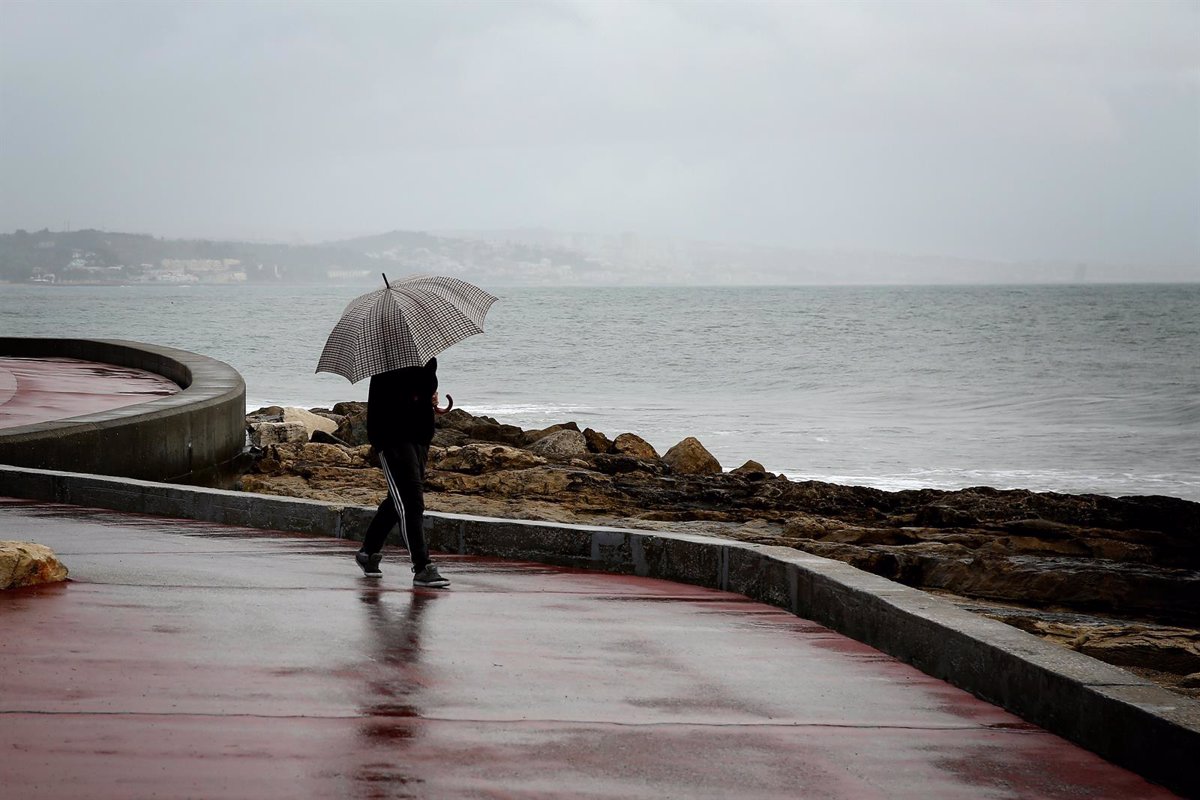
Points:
(404, 467)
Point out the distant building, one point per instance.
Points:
(337, 274)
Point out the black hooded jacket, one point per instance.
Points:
(400, 406)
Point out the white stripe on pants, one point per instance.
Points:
(395, 494)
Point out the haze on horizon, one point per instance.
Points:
(992, 130)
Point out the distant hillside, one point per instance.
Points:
(104, 256)
(513, 257)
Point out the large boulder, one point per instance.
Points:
(303, 457)
(265, 434)
(266, 414)
(353, 429)
(532, 436)
(486, 429)
(630, 444)
(689, 457)
(561, 445)
(312, 422)
(597, 442)
(478, 458)
(616, 464)
(456, 419)
(349, 408)
(28, 564)
(449, 437)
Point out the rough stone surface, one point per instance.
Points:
(1118, 578)
(630, 444)
(689, 457)
(28, 564)
(597, 442)
(560, 445)
(321, 437)
(532, 436)
(311, 422)
(353, 429)
(264, 434)
(477, 458)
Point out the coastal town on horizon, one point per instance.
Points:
(529, 257)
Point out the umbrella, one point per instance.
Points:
(403, 325)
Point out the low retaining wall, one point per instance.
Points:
(1108, 710)
(186, 436)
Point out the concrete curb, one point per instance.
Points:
(1108, 710)
(186, 436)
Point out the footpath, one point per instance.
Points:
(188, 659)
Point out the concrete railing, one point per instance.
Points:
(1108, 710)
(185, 436)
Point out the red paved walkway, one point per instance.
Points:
(192, 660)
(36, 390)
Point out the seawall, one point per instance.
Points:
(187, 436)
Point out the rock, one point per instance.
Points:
(264, 434)
(532, 436)
(614, 464)
(750, 468)
(312, 422)
(449, 437)
(456, 419)
(597, 442)
(349, 409)
(1038, 528)
(268, 413)
(561, 445)
(938, 516)
(298, 455)
(28, 564)
(477, 458)
(321, 437)
(630, 444)
(480, 429)
(336, 419)
(485, 429)
(353, 429)
(1190, 681)
(689, 457)
(545, 482)
(1175, 651)
(350, 487)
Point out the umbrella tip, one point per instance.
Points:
(385, 280)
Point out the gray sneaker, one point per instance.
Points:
(369, 563)
(429, 576)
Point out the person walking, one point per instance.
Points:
(400, 413)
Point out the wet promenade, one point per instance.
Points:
(185, 659)
(34, 390)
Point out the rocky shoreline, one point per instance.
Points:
(1116, 578)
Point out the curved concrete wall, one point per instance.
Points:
(186, 436)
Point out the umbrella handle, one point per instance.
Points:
(446, 410)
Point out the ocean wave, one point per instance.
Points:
(1186, 487)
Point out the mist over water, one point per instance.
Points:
(1063, 388)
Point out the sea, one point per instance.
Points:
(1087, 388)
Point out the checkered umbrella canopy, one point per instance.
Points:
(403, 325)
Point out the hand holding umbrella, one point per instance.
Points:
(446, 410)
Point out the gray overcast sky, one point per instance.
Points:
(1012, 130)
